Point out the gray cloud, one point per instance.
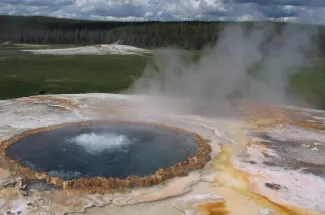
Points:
(284, 2)
(36, 3)
(311, 11)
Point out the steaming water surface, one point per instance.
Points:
(110, 150)
(97, 143)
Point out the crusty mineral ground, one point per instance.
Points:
(265, 160)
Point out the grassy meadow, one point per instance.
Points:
(26, 74)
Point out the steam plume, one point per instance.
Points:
(245, 64)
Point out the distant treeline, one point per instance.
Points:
(53, 36)
(188, 35)
(48, 30)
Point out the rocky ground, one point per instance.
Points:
(264, 160)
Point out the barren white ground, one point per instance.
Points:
(239, 181)
(100, 49)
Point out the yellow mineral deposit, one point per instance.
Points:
(235, 188)
(212, 208)
(234, 185)
(229, 192)
(57, 101)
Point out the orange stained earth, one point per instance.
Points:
(238, 181)
(62, 102)
(212, 208)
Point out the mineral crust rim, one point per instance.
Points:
(102, 184)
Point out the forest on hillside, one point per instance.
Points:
(187, 35)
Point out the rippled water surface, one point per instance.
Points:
(110, 150)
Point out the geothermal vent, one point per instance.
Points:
(106, 155)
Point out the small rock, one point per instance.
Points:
(23, 187)
(318, 144)
(273, 186)
(7, 183)
(266, 211)
(314, 149)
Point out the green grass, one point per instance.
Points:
(310, 84)
(25, 74)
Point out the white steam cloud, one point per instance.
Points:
(245, 64)
(96, 143)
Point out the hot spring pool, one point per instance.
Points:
(108, 150)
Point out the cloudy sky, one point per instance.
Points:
(307, 11)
